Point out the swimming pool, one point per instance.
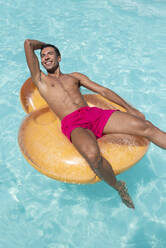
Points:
(122, 45)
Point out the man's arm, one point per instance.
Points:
(107, 93)
(30, 46)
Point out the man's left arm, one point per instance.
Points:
(107, 93)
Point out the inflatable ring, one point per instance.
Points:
(46, 148)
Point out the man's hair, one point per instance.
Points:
(55, 48)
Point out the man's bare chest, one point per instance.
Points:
(53, 86)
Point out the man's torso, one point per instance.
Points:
(62, 94)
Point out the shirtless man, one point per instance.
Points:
(62, 93)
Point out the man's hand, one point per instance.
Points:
(34, 44)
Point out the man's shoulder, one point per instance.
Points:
(74, 73)
(78, 75)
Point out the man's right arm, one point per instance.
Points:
(30, 46)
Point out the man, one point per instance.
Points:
(81, 124)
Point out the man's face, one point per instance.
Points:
(49, 59)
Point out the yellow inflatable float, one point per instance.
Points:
(50, 152)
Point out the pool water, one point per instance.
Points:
(120, 44)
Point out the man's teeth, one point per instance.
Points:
(48, 63)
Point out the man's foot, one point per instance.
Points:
(122, 190)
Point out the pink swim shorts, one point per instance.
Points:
(92, 118)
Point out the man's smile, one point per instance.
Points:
(48, 63)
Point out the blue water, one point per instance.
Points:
(120, 44)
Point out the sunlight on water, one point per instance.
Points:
(120, 44)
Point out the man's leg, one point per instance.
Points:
(85, 142)
(121, 122)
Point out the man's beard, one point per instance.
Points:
(53, 69)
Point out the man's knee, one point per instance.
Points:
(93, 157)
(85, 143)
(147, 128)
